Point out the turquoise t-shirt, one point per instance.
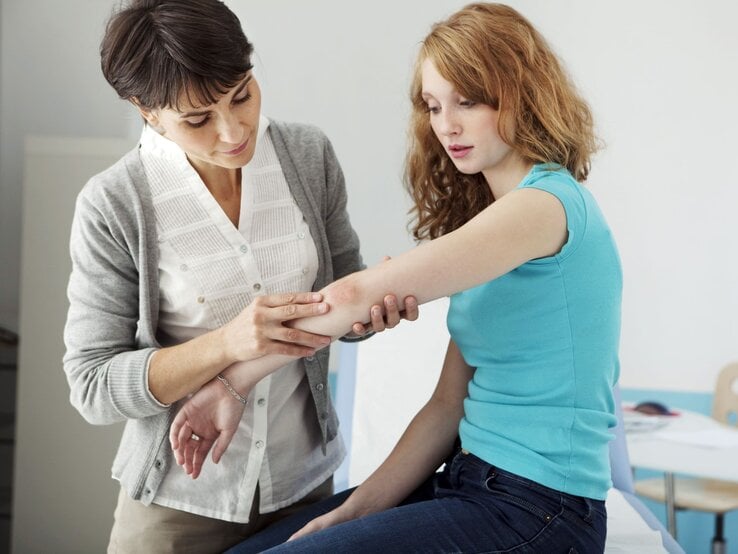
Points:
(544, 341)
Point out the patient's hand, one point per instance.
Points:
(212, 414)
(334, 517)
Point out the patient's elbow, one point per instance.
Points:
(346, 293)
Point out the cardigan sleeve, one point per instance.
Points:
(105, 366)
(343, 242)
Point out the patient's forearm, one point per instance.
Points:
(497, 240)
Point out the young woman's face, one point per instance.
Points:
(466, 129)
(222, 134)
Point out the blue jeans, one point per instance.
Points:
(470, 506)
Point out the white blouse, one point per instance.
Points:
(208, 272)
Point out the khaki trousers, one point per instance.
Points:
(154, 529)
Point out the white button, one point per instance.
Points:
(200, 299)
(244, 248)
(183, 267)
(301, 235)
(261, 402)
(259, 444)
(319, 386)
(310, 358)
(304, 271)
(257, 286)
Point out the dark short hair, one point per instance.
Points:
(157, 52)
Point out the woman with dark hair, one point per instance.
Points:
(191, 255)
(523, 407)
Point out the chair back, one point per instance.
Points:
(725, 403)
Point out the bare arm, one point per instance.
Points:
(421, 449)
(258, 331)
(212, 414)
(522, 225)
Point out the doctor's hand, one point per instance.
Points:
(207, 420)
(263, 327)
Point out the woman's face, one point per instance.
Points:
(222, 134)
(466, 129)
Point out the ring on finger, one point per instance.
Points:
(195, 437)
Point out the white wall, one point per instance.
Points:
(50, 84)
(660, 76)
(62, 481)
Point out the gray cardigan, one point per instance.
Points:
(113, 293)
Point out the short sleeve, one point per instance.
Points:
(562, 185)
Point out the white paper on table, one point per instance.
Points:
(709, 438)
(627, 532)
(635, 422)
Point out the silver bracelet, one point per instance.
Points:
(230, 389)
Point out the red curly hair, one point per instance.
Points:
(492, 55)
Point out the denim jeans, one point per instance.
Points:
(470, 506)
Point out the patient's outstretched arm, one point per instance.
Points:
(522, 225)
